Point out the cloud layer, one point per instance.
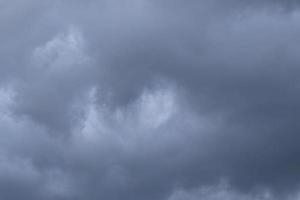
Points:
(148, 99)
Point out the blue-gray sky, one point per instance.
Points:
(149, 100)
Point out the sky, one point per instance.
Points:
(149, 100)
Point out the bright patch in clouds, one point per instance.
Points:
(63, 52)
(156, 107)
(6, 99)
(150, 111)
(223, 191)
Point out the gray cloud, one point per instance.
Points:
(149, 100)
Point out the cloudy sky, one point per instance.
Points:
(149, 100)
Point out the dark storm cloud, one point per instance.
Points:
(149, 99)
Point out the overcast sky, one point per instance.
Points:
(149, 99)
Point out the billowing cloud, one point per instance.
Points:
(148, 99)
